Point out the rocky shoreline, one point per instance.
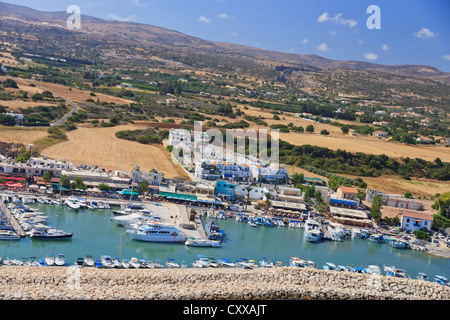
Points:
(71, 283)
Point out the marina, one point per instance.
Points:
(95, 235)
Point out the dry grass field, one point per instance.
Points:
(21, 135)
(100, 146)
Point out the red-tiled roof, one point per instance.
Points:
(348, 190)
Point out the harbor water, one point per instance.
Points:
(95, 234)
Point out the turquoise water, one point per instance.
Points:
(96, 235)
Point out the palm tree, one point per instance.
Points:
(143, 187)
(64, 180)
(47, 177)
(248, 195)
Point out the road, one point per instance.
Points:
(63, 119)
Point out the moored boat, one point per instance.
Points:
(60, 260)
(297, 262)
(377, 238)
(157, 233)
(202, 243)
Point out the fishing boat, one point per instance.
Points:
(213, 262)
(399, 244)
(201, 262)
(297, 262)
(226, 263)
(365, 234)
(377, 238)
(356, 233)
(106, 261)
(49, 260)
(157, 232)
(60, 260)
(373, 269)
(252, 223)
(312, 230)
(202, 243)
(170, 263)
(329, 266)
(336, 229)
(143, 264)
(313, 235)
(73, 203)
(395, 272)
(310, 264)
(248, 264)
(441, 280)
(422, 276)
(89, 261)
(265, 263)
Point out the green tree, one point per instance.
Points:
(345, 129)
(298, 178)
(47, 177)
(375, 209)
(310, 128)
(143, 187)
(64, 180)
(78, 184)
(104, 187)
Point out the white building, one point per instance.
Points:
(263, 172)
(414, 221)
(153, 178)
(394, 200)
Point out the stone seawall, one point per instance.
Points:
(70, 283)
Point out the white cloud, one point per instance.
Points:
(323, 47)
(446, 57)
(384, 47)
(204, 19)
(324, 17)
(124, 19)
(333, 32)
(425, 33)
(138, 3)
(305, 41)
(222, 16)
(370, 56)
(234, 34)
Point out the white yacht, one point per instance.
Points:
(49, 260)
(107, 262)
(133, 218)
(73, 203)
(336, 229)
(157, 232)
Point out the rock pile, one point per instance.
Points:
(70, 283)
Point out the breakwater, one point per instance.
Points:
(71, 283)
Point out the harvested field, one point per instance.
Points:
(369, 145)
(100, 146)
(21, 135)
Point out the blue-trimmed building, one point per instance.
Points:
(225, 190)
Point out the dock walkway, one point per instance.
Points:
(14, 223)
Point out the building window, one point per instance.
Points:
(407, 220)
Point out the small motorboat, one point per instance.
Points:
(60, 260)
(106, 261)
(126, 263)
(89, 261)
(170, 263)
(441, 280)
(49, 260)
(226, 263)
(98, 263)
(79, 262)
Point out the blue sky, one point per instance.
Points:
(412, 31)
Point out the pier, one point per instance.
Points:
(12, 220)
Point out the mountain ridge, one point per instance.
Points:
(142, 32)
